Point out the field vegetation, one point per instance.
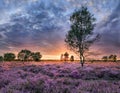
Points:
(59, 77)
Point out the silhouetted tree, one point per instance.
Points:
(113, 58)
(105, 58)
(79, 36)
(24, 55)
(9, 57)
(72, 58)
(36, 56)
(1, 58)
(66, 56)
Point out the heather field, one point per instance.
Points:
(56, 77)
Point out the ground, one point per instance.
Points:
(59, 77)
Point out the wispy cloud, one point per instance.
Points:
(44, 23)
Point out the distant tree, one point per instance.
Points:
(66, 56)
(36, 56)
(1, 58)
(9, 57)
(72, 58)
(92, 60)
(24, 55)
(105, 58)
(113, 58)
(79, 36)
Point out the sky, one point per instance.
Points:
(41, 25)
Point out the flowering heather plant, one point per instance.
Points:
(60, 78)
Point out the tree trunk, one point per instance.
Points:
(81, 60)
(81, 55)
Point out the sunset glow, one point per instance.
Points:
(41, 25)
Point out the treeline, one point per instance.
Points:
(112, 58)
(23, 55)
(65, 57)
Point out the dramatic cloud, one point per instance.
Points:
(110, 33)
(42, 24)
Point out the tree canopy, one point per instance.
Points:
(80, 36)
(9, 56)
(25, 55)
(1, 58)
(36, 56)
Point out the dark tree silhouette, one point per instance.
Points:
(105, 58)
(72, 58)
(9, 57)
(79, 36)
(66, 56)
(113, 58)
(24, 55)
(36, 56)
(1, 58)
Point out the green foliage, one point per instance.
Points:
(24, 55)
(36, 56)
(1, 58)
(79, 36)
(9, 56)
